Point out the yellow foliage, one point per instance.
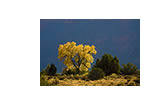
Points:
(79, 56)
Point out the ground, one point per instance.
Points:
(82, 80)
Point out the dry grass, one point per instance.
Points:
(79, 80)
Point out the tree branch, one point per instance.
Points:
(74, 63)
(85, 65)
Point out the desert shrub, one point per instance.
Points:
(70, 77)
(95, 74)
(121, 83)
(77, 76)
(108, 64)
(60, 77)
(131, 83)
(49, 77)
(111, 84)
(43, 72)
(114, 75)
(137, 80)
(51, 69)
(43, 81)
(43, 77)
(57, 74)
(83, 72)
(85, 77)
(106, 77)
(53, 82)
(137, 72)
(128, 77)
(129, 69)
(69, 71)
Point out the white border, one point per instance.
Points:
(20, 38)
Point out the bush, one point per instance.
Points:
(51, 69)
(77, 77)
(60, 77)
(114, 75)
(83, 72)
(43, 72)
(95, 74)
(121, 83)
(137, 80)
(70, 77)
(57, 74)
(53, 82)
(43, 81)
(69, 72)
(84, 76)
(108, 64)
(129, 69)
(128, 77)
(131, 83)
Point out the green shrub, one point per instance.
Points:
(51, 69)
(108, 64)
(95, 74)
(67, 71)
(129, 69)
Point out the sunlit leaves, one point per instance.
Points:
(76, 56)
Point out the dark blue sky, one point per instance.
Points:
(118, 37)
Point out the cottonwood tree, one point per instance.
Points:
(77, 57)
